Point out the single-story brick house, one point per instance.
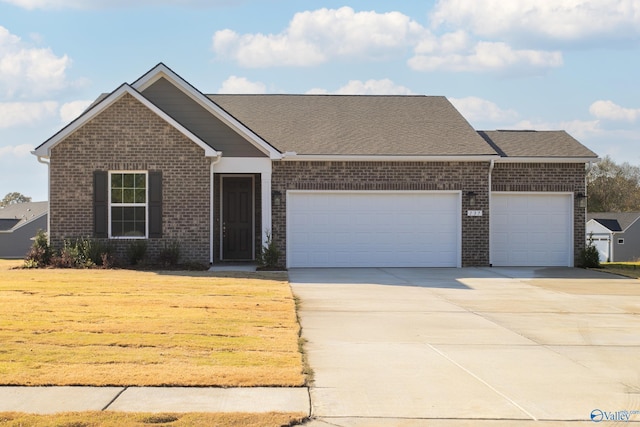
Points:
(337, 181)
(616, 235)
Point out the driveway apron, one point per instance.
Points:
(471, 344)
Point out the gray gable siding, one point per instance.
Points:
(16, 243)
(198, 120)
(630, 250)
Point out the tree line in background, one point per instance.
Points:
(611, 187)
(13, 198)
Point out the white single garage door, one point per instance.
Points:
(373, 229)
(531, 229)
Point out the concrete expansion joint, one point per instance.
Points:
(114, 398)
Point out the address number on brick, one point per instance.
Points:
(474, 213)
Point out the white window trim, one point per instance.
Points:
(124, 205)
(621, 240)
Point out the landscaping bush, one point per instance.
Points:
(40, 253)
(269, 254)
(136, 251)
(169, 254)
(96, 252)
(589, 256)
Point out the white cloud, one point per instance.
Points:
(236, 84)
(608, 110)
(25, 113)
(26, 71)
(480, 110)
(22, 150)
(484, 56)
(71, 110)
(370, 87)
(314, 37)
(565, 20)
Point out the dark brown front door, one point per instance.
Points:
(237, 218)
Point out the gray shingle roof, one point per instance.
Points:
(517, 143)
(357, 125)
(19, 213)
(624, 219)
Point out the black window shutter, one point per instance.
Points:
(155, 204)
(100, 204)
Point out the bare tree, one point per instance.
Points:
(613, 188)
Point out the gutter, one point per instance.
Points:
(547, 159)
(292, 156)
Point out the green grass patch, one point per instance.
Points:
(628, 269)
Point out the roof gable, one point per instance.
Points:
(357, 125)
(624, 220)
(44, 150)
(162, 72)
(199, 120)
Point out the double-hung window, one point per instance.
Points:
(128, 207)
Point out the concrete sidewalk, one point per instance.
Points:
(49, 400)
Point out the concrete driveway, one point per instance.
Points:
(488, 346)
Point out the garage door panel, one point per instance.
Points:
(370, 229)
(531, 229)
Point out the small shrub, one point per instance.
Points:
(269, 254)
(136, 251)
(94, 251)
(589, 256)
(71, 256)
(170, 254)
(40, 253)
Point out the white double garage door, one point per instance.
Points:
(423, 229)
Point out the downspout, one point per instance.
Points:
(586, 195)
(214, 161)
(45, 162)
(491, 165)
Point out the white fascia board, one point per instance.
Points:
(385, 158)
(45, 149)
(162, 70)
(547, 160)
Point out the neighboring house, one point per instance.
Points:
(338, 181)
(19, 223)
(616, 235)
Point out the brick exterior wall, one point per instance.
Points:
(128, 136)
(385, 176)
(541, 177)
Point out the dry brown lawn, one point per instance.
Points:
(123, 419)
(122, 327)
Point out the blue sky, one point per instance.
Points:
(516, 64)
